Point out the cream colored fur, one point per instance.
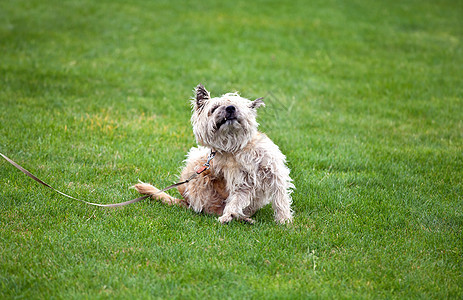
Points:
(248, 171)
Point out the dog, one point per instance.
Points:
(247, 172)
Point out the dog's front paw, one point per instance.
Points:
(284, 220)
(225, 219)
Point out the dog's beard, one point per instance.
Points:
(226, 134)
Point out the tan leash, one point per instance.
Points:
(199, 171)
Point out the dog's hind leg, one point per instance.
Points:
(148, 189)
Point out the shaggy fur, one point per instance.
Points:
(248, 170)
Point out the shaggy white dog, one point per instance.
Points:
(247, 172)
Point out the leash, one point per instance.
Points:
(199, 171)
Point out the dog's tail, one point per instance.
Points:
(148, 189)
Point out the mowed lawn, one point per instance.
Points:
(365, 98)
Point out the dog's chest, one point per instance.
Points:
(235, 171)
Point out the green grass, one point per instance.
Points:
(364, 97)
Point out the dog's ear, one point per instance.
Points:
(202, 95)
(257, 103)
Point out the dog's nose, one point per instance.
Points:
(230, 109)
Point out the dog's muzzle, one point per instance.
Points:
(230, 116)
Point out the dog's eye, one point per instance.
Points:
(213, 109)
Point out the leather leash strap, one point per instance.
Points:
(202, 169)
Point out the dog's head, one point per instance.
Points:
(224, 123)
